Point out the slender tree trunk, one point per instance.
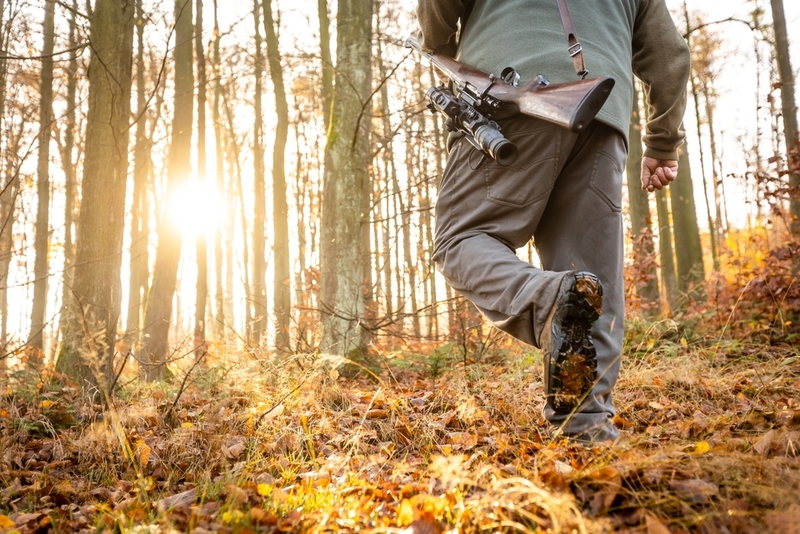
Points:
(234, 153)
(221, 320)
(688, 251)
(303, 288)
(282, 289)
(201, 293)
(789, 109)
(327, 61)
(639, 202)
(88, 349)
(8, 201)
(712, 234)
(68, 165)
(346, 168)
(389, 177)
(666, 255)
(42, 242)
(259, 277)
(142, 164)
(440, 155)
(155, 343)
(721, 221)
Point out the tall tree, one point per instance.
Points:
(221, 317)
(789, 108)
(88, 349)
(666, 254)
(67, 146)
(42, 240)
(201, 249)
(327, 60)
(170, 240)
(142, 165)
(258, 280)
(282, 289)
(688, 250)
(346, 169)
(641, 221)
(712, 234)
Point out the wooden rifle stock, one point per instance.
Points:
(571, 105)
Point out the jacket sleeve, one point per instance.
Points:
(661, 59)
(438, 24)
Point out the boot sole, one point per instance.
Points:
(573, 370)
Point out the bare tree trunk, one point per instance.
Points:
(88, 349)
(789, 109)
(155, 343)
(389, 177)
(8, 201)
(68, 165)
(721, 221)
(641, 221)
(201, 293)
(327, 61)
(440, 155)
(346, 168)
(282, 287)
(235, 195)
(688, 250)
(666, 255)
(42, 242)
(712, 235)
(259, 276)
(142, 164)
(221, 318)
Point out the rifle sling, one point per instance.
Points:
(575, 50)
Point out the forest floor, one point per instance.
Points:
(430, 442)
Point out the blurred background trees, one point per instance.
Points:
(207, 179)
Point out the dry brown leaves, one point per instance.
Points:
(710, 445)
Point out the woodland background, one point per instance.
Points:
(205, 207)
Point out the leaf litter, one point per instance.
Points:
(709, 444)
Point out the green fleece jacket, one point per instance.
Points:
(620, 38)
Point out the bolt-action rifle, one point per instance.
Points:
(478, 98)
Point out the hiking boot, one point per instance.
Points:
(570, 359)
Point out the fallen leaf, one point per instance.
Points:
(764, 443)
(185, 498)
(6, 522)
(655, 526)
(142, 452)
(694, 490)
(702, 447)
(234, 448)
(405, 513)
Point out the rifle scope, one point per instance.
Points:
(483, 133)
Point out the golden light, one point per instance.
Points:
(195, 208)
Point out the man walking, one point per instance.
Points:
(564, 190)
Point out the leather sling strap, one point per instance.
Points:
(575, 50)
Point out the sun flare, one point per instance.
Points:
(195, 208)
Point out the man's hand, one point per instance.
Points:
(658, 173)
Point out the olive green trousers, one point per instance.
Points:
(565, 192)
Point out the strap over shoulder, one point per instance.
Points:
(575, 50)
